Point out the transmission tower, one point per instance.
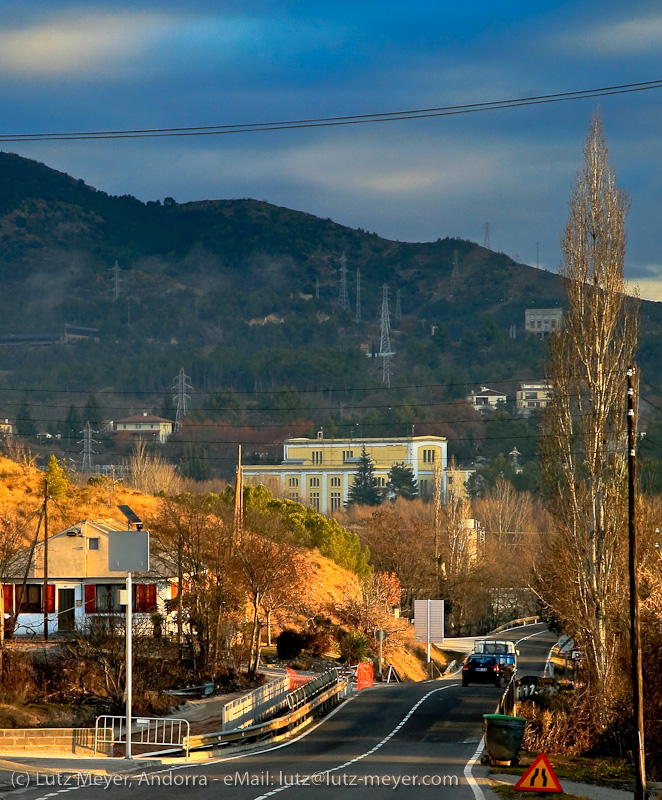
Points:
(87, 441)
(398, 306)
(486, 241)
(179, 388)
(343, 297)
(358, 295)
(385, 352)
(456, 267)
(116, 281)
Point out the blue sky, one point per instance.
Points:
(114, 65)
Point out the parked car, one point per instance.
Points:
(479, 668)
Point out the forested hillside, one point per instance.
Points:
(243, 296)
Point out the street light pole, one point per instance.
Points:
(635, 641)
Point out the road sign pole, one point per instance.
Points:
(129, 662)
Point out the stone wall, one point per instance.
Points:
(51, 741)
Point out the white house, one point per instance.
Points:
(144, 426)
(485, 400)
(79, 583)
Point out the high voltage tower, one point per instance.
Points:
(385, 352)
(87, 441)
(456, 267)
(343, 297)
(116, 281)
(358, 295)
(179, 388)
(398, 306)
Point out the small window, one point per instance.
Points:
(335, 481)
(93, 544)
(335, 501)
(315, 500)
(314, 481)
(294, 482)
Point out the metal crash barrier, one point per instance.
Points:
(144, 731)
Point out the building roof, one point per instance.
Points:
(359, 440)
(145, 418)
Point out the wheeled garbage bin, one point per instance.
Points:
(503, 737)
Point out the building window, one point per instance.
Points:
(31, 599)
(317, 456)
(106, 598)
(423, 483)
(293, 495)
(315, 500)
(314, 481)
(144, 597)
(428, 456)
(381, 482)
(347, 454)
(335, 501)
(294, 482)
(93, 543)
(335, 481)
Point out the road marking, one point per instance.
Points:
(386, 739)
(475, 788)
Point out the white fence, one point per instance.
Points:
(256, 705)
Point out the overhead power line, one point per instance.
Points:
(356, 119)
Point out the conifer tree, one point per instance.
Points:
(365, 488)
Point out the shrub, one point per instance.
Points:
(289, 644)
(354, 647)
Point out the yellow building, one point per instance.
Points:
(318, 472)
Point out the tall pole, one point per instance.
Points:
(635, 640)
(45, 589)
(129, 662)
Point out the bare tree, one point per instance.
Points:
(151, 473)
(583, 443)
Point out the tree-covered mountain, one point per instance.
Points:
(243, 295)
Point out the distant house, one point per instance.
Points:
(533, 395)
(542, 321)
(145, 426)
(80, 585)
(485, 400)
(6, 427)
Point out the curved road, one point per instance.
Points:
(419, 739)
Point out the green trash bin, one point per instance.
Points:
(503, 736)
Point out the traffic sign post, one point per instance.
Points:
(539, 777)
(380, 635)
(128, 551)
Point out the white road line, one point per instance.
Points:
(475, 788)
(369, 752)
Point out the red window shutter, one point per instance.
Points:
(150, 590)
(141, 597)
(8, 597)
(174, 590)
(90, 598)
(50, 598)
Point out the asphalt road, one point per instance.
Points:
(419, 740)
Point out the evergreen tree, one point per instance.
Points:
(365, 489)
(25, 425)
(167, 407)
(72, 424)
(57, 480)
(401, 481)
(92, 412)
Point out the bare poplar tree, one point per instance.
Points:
(584, 443)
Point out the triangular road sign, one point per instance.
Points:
(539, 777)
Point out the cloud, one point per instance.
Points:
(84, 45)
(640, 35)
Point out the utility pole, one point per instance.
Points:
(385, 352)
(343, 297)
(179, 388)
(45, 589)
(635, 637)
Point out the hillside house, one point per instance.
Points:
(80, 585)
(486, 400)
(531, 396)
(318, 472)
(542, 321)
(144, 426)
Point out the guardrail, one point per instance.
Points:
(256, 705)
(266, 730)
(299, 696)
(515, 623)
(110, 730)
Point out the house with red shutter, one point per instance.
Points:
(79, 584)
